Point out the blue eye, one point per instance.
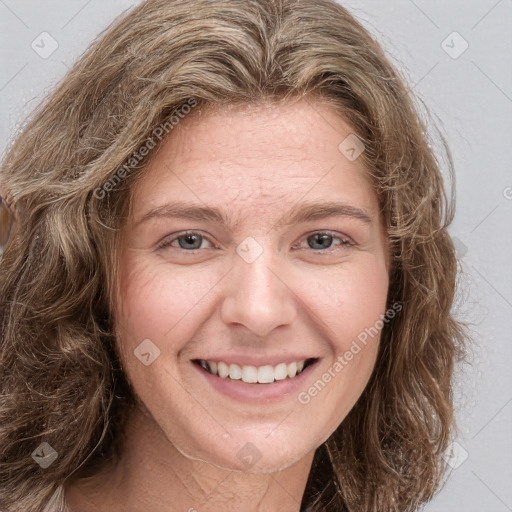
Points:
(324, 240)
(320, 241)
(189, 241)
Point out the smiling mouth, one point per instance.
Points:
(249, 374)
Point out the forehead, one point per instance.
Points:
(257, 156)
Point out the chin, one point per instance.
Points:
(246, 458)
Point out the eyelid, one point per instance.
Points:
(168, 240)
(345, 239)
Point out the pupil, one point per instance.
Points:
(323, 239)
(189, 239)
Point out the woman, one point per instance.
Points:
(230, 279)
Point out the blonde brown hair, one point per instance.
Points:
(61, 381)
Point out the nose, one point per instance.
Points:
(258, 297)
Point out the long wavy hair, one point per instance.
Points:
(61, 380)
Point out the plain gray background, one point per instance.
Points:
(465, 79)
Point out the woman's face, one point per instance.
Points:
(254, 246)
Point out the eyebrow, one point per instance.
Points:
(304, 212)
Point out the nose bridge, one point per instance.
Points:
(257, 296)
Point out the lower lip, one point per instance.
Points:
(258, 393)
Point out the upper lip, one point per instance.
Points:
(256, 360)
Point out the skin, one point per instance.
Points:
(256, 164)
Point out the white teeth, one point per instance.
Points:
(251, 374)
(235, 372)
(222, 369)
(281, 371)
(292, 370)
(265, 374)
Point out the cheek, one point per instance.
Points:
(349, 306)
(159, 304)
(347, 300)
(155, 301)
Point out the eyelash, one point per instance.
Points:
(345, 241)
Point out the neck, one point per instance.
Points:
(153, 475)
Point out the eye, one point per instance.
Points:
(189, 241)
(322, 240)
